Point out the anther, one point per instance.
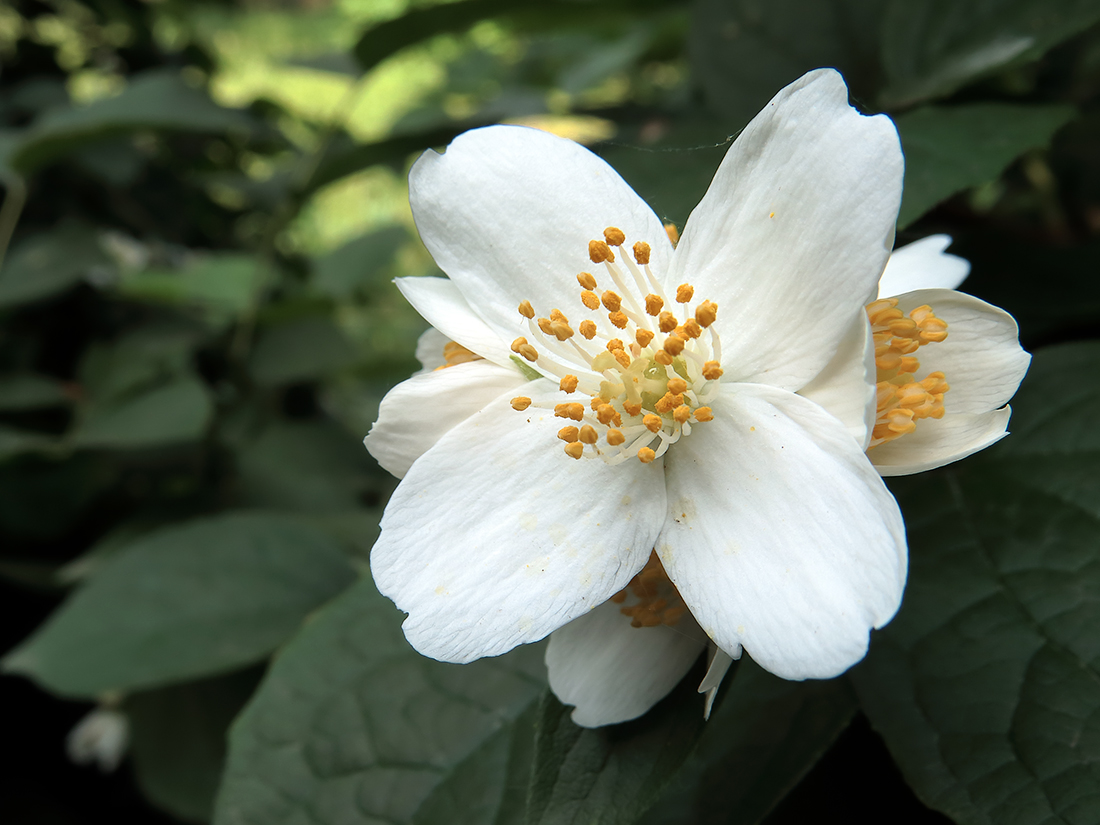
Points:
(663, 358)
(618, 319)
(544, 325)
(677, 386)
(643, 337)
(712, 370)
(684, 292)
(568, 384)
(646, 455)
(653, 305)
(706, 312)
(667, 322)
(589, 299)
(615, 437)
(574, 450)
(674, 345)
(521, 403)
(588, 329)
(561, 330)
(704, 414)
(598, 252)
(605, 414)
(681, 414)
(632, 408)
(614, 236)
(673, 233)
(588, 434)
(569, 410)
(611, 301)
(622, 358)
(586, 280)
(652, 422)
(615, 344)
(526, 310)
(692, 328)
(668, 402)
(519, 343)
(568, 434)
(529, 352)
(641, 253)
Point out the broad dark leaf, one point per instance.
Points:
(299, 350)
(186, 601)
(47, 263)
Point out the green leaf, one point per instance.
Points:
(48, 263)
(764, 735)
(612, 774)
(178, 742)
(172, 413)
(157, 100)
(184, 602)
(358, 264)
(15, 442)
(304, 466)
(930, 48)
(948, 149)
(352, 726)
(27, 391)
(299, 350)
(986, 687)
(220, 286)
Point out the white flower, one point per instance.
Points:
(101, 737)
(684, 433)
(979, 358)
(612, 667)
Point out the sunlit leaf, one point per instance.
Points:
(183, 602)
(986, 686)
(352, 726)
(948, 149)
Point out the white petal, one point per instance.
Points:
(416, 413)
(937, 442)
(719, 666)
(794, 231)
(613, 672)
(981, 356)
(496, 538)
(781, 536)
(429, 349)
(441, 304)
(846, 387)
(507, 212)
(923, 264)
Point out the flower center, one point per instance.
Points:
(902, 400)
(651, 599)
(646, 369)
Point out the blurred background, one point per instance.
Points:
(204, 206)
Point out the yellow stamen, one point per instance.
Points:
(684, 293)
(673, 233)
(712, 371)
(571, 410)
(643, 337)
(568, 383)
(652, 422)
(574, 450)
(598, 252)
(646, 455)
(586, 280)
(569, 434)
(706, 313)
(641, 253)
(590, 300)
(588, 434)
(704, 414)
(588, 329)
(653, 305)
(667, 322)
(614, 236)
(521, 403)
(526, 310)
(611, 301)
(682, 413)
(529, 352)
(618, 319)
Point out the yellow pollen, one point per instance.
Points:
(519, 342)
(622, 358)
(588, 434)
(529, 352)
(526, 310)
(677, 385)
(615, 344)
(692, 328)
(646, 455)
(704, 414)
(589, 299)
(641, 253)
(653, 305)
(632, 408)
(705, 313)
(544, 325)
(674, 345)
(557, 316)
(455, 354)
(667, 322)
(568, 384)
(598, 252)
(673, 233)
(574, 450)
(682, 413)
(615, 438)
(614, 236)
(643, 337)
(561, 330)
(618, 319)
(521, 403)
(663, 358)
(712, 370)
(588, 329)
(652, 422)
(569, 434)
(569, 410)
(668, 402)
(684, 292)
(611, 301)
(586, 280)
(658, 602)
